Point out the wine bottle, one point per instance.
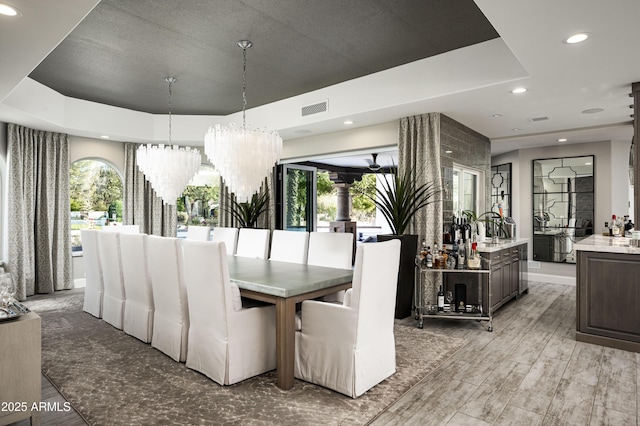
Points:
(423, 254)
(473, 261)
(429, 258)
(615, 231)
(440, 300)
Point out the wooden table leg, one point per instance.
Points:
(285, 341)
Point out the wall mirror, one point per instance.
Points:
(563, 206)
(501, 188)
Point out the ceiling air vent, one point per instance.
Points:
(536, 119)
(318, 108)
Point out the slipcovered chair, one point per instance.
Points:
(227, 235)
(171, 309)
(199, 233)
(350, 348)
(138, 309)
(114, 295)
(123, 229)
(333, 250)
(226, 342)
(289, 246)
(94, 287)
(253, 243)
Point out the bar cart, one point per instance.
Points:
(476, 307)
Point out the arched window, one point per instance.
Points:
(95, 192)
(199, 204)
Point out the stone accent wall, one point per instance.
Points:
(469, 148)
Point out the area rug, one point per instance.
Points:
(112, 378)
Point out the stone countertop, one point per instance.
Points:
(606, 244)
(551, 231)
(488, 247)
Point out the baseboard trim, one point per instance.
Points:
(553, 279)
(79, 283)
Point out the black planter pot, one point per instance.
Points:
(406, 272)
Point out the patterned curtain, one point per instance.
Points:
(267, 220)
(39, 218)
(419, 149)
(141, 204)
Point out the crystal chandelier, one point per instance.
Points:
(243, 156)
(169, 169)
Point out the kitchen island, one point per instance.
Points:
(608, 292)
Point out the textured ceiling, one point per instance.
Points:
(122, 51)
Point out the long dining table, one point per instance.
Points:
(285, 284)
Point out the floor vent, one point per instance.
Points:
(318, 108)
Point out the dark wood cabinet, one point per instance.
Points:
(505, 274)
(608, 299)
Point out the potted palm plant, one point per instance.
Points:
(400, 198)
(247, 213)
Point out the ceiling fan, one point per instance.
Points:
(373, 164)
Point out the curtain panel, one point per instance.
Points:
(419, 149)
(39, 218)
(141, 205)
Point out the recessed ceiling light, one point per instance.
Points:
(515, 129)
(592, 110)
(348, 122)
(577, 38)
(587, 164)
(7, 10)
(518, 90)
(104, 136)
(496, 115)
(562, 140)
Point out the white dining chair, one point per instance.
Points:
(123, 229)
(227, 235)
(114, 295)
(171, 309)
(289, 246)
(199, 233)
(350, 347)
(333, 250)
(138, 309)
(94, 286)
(253, 243)
(227, 343)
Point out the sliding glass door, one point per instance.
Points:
(298, 198)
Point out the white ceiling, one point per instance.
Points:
(470, 84)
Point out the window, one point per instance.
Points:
(199, 202)
(95, 192)
(466, 190)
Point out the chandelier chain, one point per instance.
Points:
(170, 80)
(244, 86)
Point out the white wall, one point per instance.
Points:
(608, 173)
(362, 138)
(81, 148)
(620, 201)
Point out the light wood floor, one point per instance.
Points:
(529, 371)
